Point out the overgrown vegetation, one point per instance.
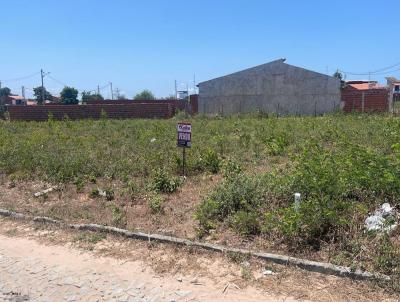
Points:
(343, 166)
(156, 203)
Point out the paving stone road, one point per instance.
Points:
(33, 272)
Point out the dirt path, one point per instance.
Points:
(41, 262)
(34, 272)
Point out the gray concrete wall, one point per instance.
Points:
(274, 87)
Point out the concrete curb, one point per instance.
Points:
(314, 266)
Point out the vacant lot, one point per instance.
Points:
(242, 174)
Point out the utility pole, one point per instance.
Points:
(98, 89)
(176, 90)
(42, 76)
(23, 92)
(390, 83)
(194, 84)
(117, 91)
(0, 84)
(188, 94)
(112, 92)
(369, 79)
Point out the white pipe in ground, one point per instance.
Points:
(297, 200)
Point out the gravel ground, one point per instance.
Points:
(30, 271)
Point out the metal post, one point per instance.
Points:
(184, 160)
(42, 75)
(390, 99)
(315, 109)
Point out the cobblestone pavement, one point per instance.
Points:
(33, 272)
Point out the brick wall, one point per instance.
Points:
(180, 105)
(94, 111)
(375, 100)
(194, 104)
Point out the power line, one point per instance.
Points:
(389, 67)
(21, 78)
(380, 71)
(58, 81)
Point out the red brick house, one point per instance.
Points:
(365, 96)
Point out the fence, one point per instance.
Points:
(94, 111)
(371, 100)
(181, 105)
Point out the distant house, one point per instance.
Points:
(275, 87)
(56, 99)
(13, 99)
(365, 96)
(31, 102)
(396, 88)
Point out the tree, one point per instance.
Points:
(339, 76)
(37, 92)
(5, 91)
(69, 96)
(89, 96)
(145, 95)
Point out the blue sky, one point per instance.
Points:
(148, 44)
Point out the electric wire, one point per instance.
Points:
(21, 78)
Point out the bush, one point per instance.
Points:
(205, 215)
(208, 161)
(276, 145)
(231, 168)
(316, 220)
(239, 193)
(118, 215)
(156, 203)
(131, 189)
(349, 172)
(246, 223)
(163, 182)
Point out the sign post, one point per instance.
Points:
(184, 140)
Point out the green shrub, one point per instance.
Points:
(79, 183)
(163, 182)
(387, 258)
(208, 161)
(246, 223)
(231, 168)
(276, 145)
(131, 189)
(315, 221)
(156, 203)
(118, 215)
(239, 193)
(205, 215)
(348, 172)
